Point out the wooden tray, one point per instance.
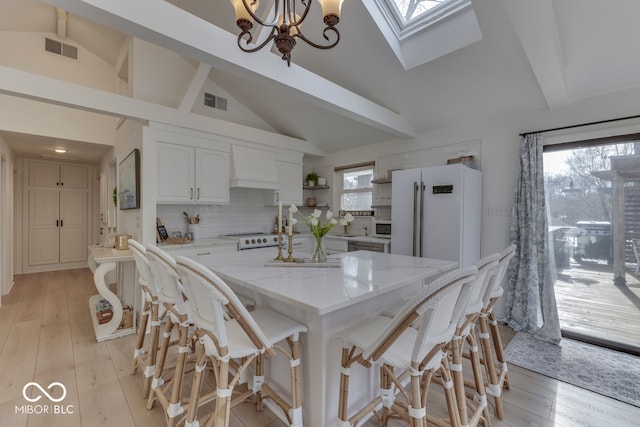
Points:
(300, 262)
(176, 240)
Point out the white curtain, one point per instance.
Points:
(530, 299)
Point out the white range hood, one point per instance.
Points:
(253, 168)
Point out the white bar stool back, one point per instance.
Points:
(145, 358)
(410, 347)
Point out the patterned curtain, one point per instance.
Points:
(530, 299)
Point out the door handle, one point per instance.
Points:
(57, 223)
(415, 219)
(198, 193)
(191, 190)
(60, 223)
(423, 187)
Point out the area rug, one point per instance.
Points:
(603, 371)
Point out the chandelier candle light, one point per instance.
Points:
(318, 229)
(285, 24)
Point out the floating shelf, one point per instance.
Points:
(379, 205)
(315, 187)
(381, 181)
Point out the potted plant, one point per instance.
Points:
(312, 179)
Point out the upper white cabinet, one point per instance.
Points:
(289, 167)
(290, 176)
(55, 175)
(191, 174)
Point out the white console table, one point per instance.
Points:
(101, 262)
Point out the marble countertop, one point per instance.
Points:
(362, 275)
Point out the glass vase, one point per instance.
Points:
(319, 254)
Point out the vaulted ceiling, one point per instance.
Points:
(533, 55)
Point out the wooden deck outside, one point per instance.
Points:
(590, 304)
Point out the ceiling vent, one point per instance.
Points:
(214, 101)
(60, 48)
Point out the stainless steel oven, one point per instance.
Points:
(255, 240)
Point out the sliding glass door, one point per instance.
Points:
(593, 205)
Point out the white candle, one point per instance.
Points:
(279, 216)
(108, 218)
(290, 222)
(115, 218)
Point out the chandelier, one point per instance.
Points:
(285, 24)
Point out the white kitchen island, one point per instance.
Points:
(326, 300)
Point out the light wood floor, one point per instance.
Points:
(46, 335)
(589, 303)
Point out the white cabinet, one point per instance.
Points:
(290, 177)
(45, 174)
(301, 243)
(334, 245)
(188, 174)
(205, 254)
(289, 168)
(57, 213)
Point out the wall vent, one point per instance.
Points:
(214, 101)
(60, 48)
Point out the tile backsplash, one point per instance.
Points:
(247, 212)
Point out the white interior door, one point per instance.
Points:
(44, 221)
(73, 226)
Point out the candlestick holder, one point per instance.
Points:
(279, 257)
(289, 249)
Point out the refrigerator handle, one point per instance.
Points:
(415, 215)
(422, 189)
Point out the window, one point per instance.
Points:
(357, 190)
(407, 10)
(419, 31)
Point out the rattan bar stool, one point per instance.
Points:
(409, 350)
(473, 408)
(168, 381)
(236, 345)
(493, 357)
(145, 358)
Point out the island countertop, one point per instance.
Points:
(362, 275)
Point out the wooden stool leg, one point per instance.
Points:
(175, 407)
(499, 349)
(201, 365)
(223, 398)
(458, 379)
(417, 412)
(476, 367)
(258, 378)
(162, 355)
(344, 387)
(150, 364)
(386, 394)
(493, 388)
(296, 383)
(449, 393)
(142, 331)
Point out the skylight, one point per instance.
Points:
(409, 16)
(407, 10)
(419, 31)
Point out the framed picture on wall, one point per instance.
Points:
(129, 181)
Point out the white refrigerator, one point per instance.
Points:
(436, 212)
